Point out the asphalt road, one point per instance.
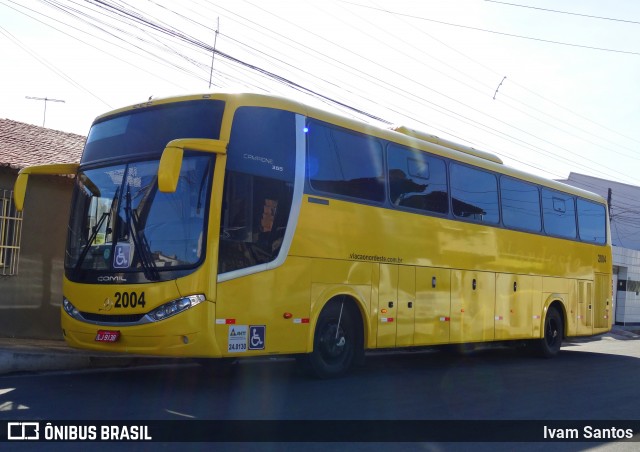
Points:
(589, 380)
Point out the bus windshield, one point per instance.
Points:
(122, 223)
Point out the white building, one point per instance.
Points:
(624, 210)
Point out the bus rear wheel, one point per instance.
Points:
(336, 341)
(549, 345)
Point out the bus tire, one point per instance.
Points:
(549, 345)
(336, 342)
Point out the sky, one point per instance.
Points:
(550, 86)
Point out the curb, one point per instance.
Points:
(50, 360)
(624, 334)
(39, 355)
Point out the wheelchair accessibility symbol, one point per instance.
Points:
(122, 256)
(256, 337)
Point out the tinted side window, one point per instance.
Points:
(258, 187)
(474, 194)
(559, 214)
(345, 163)
(417, 180)
(263, 143)
(592, 222)
(520, 205)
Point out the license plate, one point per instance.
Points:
(107, 336)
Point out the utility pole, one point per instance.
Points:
(213, 55)
(45, 99)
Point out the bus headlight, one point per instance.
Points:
(174, 307)
(71, 309)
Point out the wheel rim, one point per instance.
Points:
(552, 332)
(333, 343)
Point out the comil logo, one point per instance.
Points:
(29, 431)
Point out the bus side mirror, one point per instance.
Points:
(20, 191)
(20, 186)
(171, 160)
(169, 169)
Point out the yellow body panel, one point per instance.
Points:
(472, 306)
(406, 310)
(544, 270)
(514, 306)
(185, 335)
(433, 306)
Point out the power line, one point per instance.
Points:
(142, 55)
(484, 30)
(514, 82)
(179, 36)
(49, 66)
(468, 107)
(565, 12)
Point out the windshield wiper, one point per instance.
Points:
(140, 242)
(106, 215)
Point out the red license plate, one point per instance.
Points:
(107, 336)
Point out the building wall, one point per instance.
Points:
(30, 301)
(627, 293)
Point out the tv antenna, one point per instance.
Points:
(45, 99)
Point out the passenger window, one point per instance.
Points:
(417, 180)
(345, 163)
(520, 205)
(474, 194)
(592, 222)
(559, 214)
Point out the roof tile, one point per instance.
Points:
(24, 145)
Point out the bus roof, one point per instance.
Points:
(399, 134)
(447, 144)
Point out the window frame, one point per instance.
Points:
(381, 178)
(604, 220)
(554, 197)
(537, 187)
(10, 234)
(479, 170)
(429, 159)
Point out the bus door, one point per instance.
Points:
(406, 306)
(514, 306)
(602, 307)
(396, 305)
(472, 306)
(432, 306)
(585, 308)
(387, 305)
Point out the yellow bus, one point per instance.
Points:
(224, 226)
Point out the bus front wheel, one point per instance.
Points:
(549, 345)
(335, 342)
